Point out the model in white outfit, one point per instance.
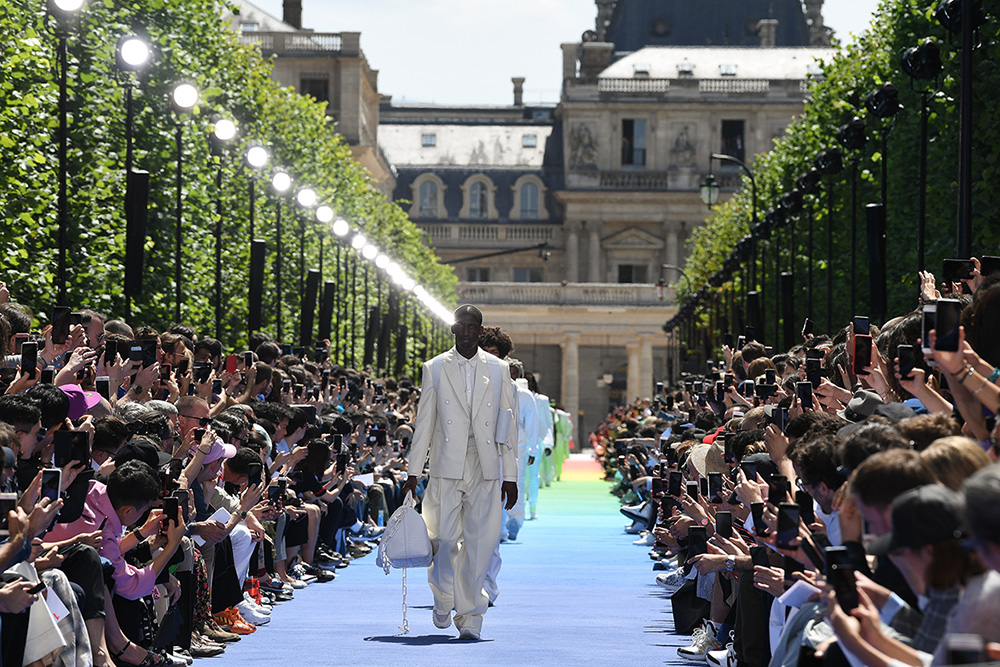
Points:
(544, 444)
(462, 423)
(527, 445)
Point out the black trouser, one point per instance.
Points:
(226, 590)
(751, 642)
(82, 566)
(338, 515)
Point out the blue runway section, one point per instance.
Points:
(573, 591)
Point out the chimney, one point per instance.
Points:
(292, 13)
(518, 91)
(767, 32)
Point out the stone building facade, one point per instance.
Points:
(563, 222)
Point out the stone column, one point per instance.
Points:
(633, 388)
(571, 379)
(645, 365)
(671, 246)
(573, 251)
(594, 274)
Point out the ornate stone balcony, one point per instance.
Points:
(499, 235)
(557, 294)
(292, 42)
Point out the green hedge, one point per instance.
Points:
(190, 42)
(852, 73)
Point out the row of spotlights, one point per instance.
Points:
(133, 53)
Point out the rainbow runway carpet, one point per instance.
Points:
(573, 591)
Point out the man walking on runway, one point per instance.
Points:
(463, 420)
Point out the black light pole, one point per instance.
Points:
(281, 182)
(63, 11)
(131, 55)
(852, 137)
(923, 62)
(223, 131)
(256, 158)
(963, 16)
(828, 163)
(183, 99)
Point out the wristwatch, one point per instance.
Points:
(243, 514)
(137, 388)
(730, 564)
(704, 522)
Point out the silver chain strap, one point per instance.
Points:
(405, 627)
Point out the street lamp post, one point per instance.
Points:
(222, 133)
(183, 99)
(281, 182)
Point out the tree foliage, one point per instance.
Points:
(852, 73)
(190, 42)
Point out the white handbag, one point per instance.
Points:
(404, 544)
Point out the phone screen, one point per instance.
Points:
(342, 460)
(148, 352)
(805, 503)
(232, 361)
(907, 355)
(861, 325)
(70, 446)
(703, 486)
(862, 354)
(60, 324)
(758, 556)
(955, 270)
(697, 540)
(804, 391)
(814, 372)
(949, 318)
(692, 490)
(103, 386)
(989, 265)
(182, 502)
(777, 489)
(788, 525)
(844, 585)
(110, 351)
(927, 323)
(714, 488)
(749, 470)
(255, 472)
(171, 513)
(51, 480)
(757, 512)
(724, 524)
(8, 501)
(676, 480)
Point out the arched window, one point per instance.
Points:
(529, 201)
(428, 200)
(478, 201)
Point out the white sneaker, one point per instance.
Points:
(635, 527)
(298, 572)
(670, 581)
(702, 641)
(252, 615)
(262, 608)
(723, 658)
(647, 540)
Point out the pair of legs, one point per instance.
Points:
(463, 510)
(531, 483)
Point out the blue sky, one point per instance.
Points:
(466, 51)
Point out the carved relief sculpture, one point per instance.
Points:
(583, 148)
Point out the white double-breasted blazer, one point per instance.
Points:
(443, 419)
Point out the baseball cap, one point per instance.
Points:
(928, 514)
(79, 400)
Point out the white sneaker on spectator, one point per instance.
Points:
(251, 615)
(702, 641)
(635, 527)
(646, 540)
(670, 581)
(640, 512)
(723, 658)
(262, 608)
(299, 572)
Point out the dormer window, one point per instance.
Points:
(249, 26)
(727, 70)
(428, 140)
(641, 70)
(685, 69)
(529, 141)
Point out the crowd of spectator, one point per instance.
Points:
(837, 503)
(160, 496)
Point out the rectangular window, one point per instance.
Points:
(634, 142)
(428, 140)
(315, 87)
(249, 26)
(633, 273)
(529, 141)
(533, 274)
(477, 274)
(733, 144)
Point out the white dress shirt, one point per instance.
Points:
(468, 368)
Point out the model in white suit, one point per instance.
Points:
(463, 420)
(527, 442)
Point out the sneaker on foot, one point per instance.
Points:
(726, 657)
(468, 633)
(441, 620)
(252, 615)
(670, 581)
(702, 641)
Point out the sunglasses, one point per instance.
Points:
(202, 421)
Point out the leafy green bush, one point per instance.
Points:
(852, 73)
(189, 42)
